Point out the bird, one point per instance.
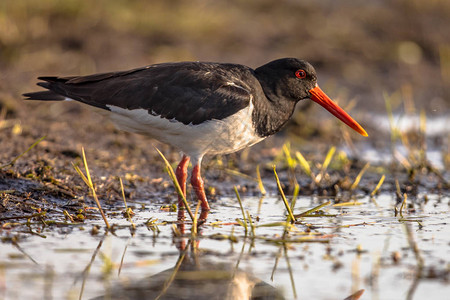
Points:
(199, 108)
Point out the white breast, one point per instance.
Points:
(211, 137)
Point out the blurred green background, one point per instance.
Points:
(361, 49)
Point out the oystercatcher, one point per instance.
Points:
(198, 107)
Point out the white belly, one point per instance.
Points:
(211, 137)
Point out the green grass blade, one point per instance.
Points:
(91, 186)
(310, 211)
(294, 196)
(287, 153)
(378, 186)
(127, 211)
(81, 174)
(260, 183)
(328, 159)
(242, 209)
(360, 174)
(252, 226)
(280, 190)
(303, 163)
(86, 168)
(405, 197)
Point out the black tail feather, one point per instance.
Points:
(44, 95)
(53, 79)
(49, 95)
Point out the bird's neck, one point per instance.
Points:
(271, 112)
(272, 107)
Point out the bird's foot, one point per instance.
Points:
(203, 217)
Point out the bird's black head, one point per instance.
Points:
(288, 78)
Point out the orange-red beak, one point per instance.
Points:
(317, 95)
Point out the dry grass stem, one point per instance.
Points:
(87, 179)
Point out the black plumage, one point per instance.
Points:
(189, 92)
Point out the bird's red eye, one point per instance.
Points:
(300, 73)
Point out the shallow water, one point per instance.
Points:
(359, 255)
(436, 129)
(434, 126)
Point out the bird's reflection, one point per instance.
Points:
(195, 276)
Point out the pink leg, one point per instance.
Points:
(197, 184)
(181, 174)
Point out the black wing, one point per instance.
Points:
(189, 92)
